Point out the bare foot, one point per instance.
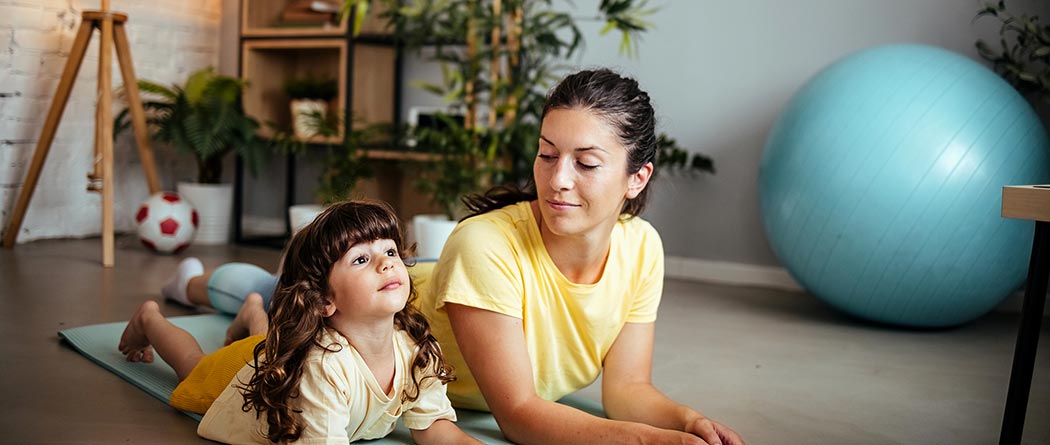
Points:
(250, 319)
(133, 342)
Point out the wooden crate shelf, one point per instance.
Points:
(268, 64)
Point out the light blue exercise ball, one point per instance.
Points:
(881, 186)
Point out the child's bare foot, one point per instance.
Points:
(133, 342)
(250, 319)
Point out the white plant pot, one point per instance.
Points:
(302, 124)
(431, 232)
(214, 204)
(302, 214)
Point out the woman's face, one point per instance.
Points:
(581, 174)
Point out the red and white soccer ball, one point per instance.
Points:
(167, 222)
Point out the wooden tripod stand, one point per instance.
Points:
(111, 25)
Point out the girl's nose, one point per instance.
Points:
(386, 264)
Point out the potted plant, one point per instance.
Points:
(204, 117)
(1023, 58)
(308, 96)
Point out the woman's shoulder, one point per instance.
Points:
(512, 214)
(508, 223)
(639, 230)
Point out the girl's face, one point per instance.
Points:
(580, 172)
(369, 283)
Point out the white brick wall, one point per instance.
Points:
(169, 39)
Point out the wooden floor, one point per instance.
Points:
(778, 367)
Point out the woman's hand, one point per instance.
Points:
(628, 393)
(712, 432)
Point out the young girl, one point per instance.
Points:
(341, 357)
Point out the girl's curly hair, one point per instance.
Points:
(297, 320)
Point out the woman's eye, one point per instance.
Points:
(545, 157)
(587, 166)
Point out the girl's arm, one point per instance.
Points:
(628, 393)
(443, 431)
(493, 346)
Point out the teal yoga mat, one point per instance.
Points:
(99, 344)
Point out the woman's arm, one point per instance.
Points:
(628, 393)
(493, 346)
(443, 431)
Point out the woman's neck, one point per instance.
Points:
(579, 258)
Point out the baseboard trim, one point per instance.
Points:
(737, 274)
(769, 277)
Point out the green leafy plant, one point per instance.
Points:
(203, 117)
(310, 87)
(1023, 58)
(343, 164)
(465, 161)
(674, 159)
(498, 59)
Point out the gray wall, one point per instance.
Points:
(719, 73)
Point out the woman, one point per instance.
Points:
(539, 292)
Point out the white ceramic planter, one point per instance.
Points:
(214, 204)
(302, 124)
(431, 232)
(302, 214)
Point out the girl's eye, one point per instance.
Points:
(360, 260)
(391, 253)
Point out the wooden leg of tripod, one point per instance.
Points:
(138, 115)
(43, 145)
(105, 106)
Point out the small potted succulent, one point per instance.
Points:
(309, 96)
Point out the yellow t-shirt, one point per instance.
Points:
(497, 261)
(340, 399)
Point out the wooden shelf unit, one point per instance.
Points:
(268, 64)
(367, 68)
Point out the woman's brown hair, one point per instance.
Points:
(616, 99)
(297, 321)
